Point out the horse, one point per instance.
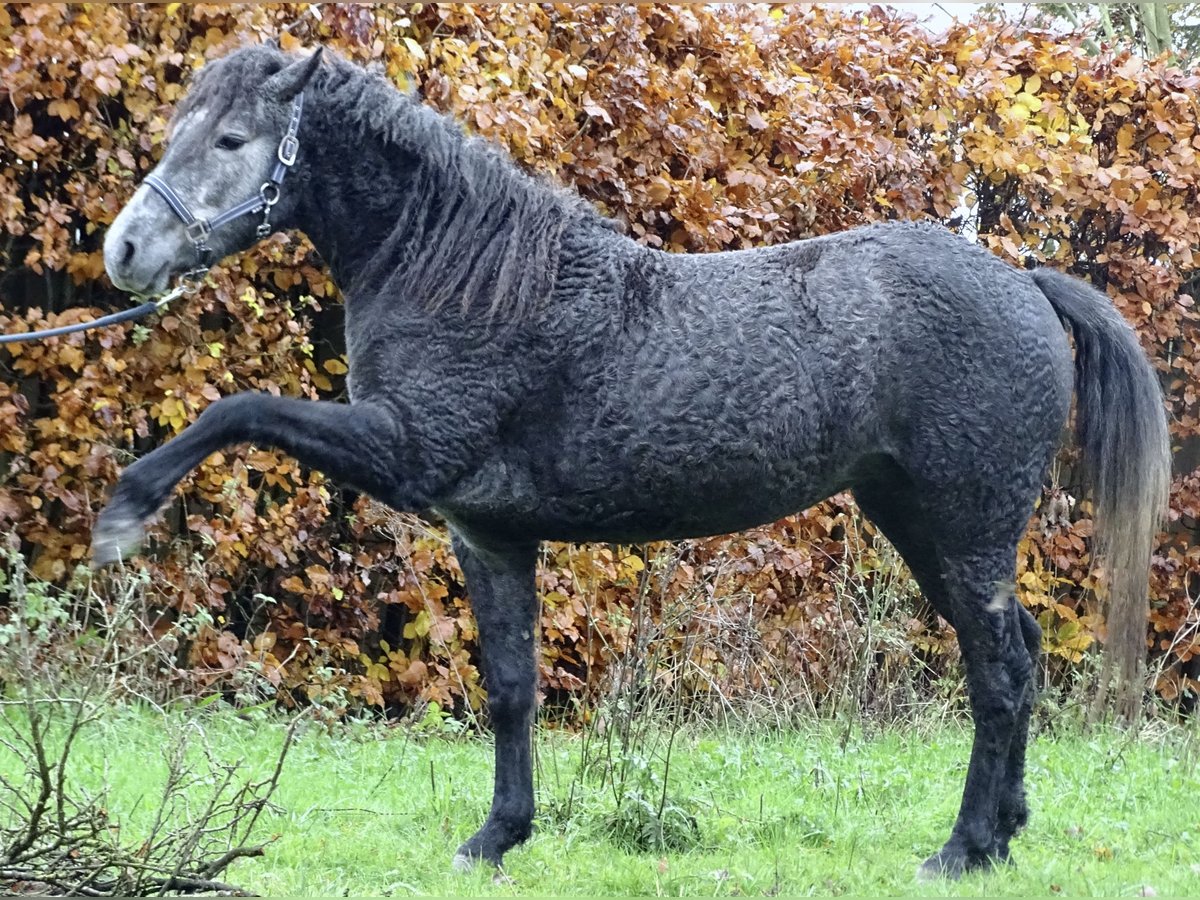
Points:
(527, 372)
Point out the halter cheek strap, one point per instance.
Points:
(198, 230)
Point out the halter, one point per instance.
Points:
(198, 230)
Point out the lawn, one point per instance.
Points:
(825, 809)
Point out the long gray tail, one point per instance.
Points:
(1121, 428)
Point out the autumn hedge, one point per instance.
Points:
(698, 128)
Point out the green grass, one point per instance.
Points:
(823, 810)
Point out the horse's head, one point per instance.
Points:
(231, 140)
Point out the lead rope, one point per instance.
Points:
(188, 285)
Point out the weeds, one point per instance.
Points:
(679, 785)
(664, 682)
(67, 658)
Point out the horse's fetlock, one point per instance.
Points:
(1014, 815)
(511, 702)
(134, 496)
(977, 838)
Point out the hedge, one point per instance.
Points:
(698, 129)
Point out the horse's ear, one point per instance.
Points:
(288, 82)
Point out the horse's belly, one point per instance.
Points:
(569, 522)
(581, 503)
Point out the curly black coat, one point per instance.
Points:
(529, 373)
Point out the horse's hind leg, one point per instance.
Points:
(987, 620)
(999, 638)
(887, 496)
(500, 579)
(1014, 811)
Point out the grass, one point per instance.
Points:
(828, 809)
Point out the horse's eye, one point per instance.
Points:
(230, 142)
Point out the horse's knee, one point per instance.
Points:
(511, 694)
(995, 715)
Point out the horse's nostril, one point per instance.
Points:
(127, 253)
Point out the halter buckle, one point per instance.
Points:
(288, 148)
(198, 232)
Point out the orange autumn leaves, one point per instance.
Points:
(698, 128)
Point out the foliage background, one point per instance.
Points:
(699, 129)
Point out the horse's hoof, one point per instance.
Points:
(465, 862)
(115, 539)
(926, 872)
(942, 865)
(951, 864)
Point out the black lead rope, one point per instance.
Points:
(124, 316)
(189, 285)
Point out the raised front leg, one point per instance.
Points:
(500, 579)
(355, 444)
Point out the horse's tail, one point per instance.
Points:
(1121, 429)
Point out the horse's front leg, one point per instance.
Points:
(353, 444)
(500, 579)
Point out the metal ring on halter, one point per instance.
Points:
(192, 280)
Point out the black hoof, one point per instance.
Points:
(952, 863)
(122, 524)
(489, 844)
(468, 859)
(463, 863)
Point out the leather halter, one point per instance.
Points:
(198, 230)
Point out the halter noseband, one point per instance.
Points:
(198, 230)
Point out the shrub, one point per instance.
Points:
(698, 128)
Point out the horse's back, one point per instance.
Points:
(840, 343)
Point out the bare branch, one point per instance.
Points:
(59, 838)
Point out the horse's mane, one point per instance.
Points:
(470, 226)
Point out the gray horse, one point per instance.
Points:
(528, 373)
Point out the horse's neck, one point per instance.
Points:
(345, 210)
(357, 197)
